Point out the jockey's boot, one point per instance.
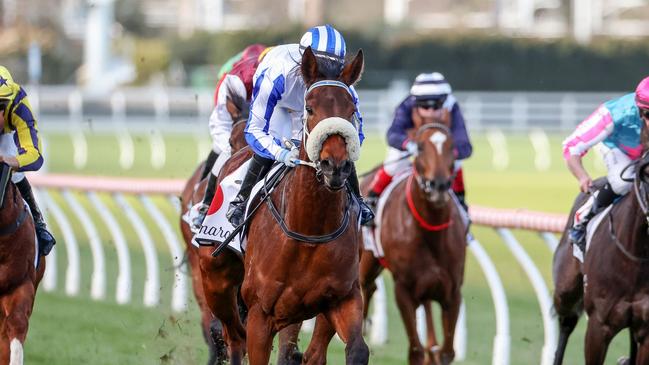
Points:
(461, 197)
(593, 206)
(367, 215)
(209, 163)
(259, 166)
(372, 201)
(210, 189)
(45, 239)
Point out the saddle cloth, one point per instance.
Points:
(590, 231)
(216, 227)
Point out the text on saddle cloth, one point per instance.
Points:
(216, 227)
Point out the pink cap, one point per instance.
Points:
(642, 94)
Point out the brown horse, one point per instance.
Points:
(615, 294)
(424, 241)
(288, 280)
(227, 269)
(20, 278)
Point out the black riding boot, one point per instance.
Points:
(602, 199)
(209, 163)
(259, 166)
(367, 214)
(461, 197)
(45, 239)
(210, 189)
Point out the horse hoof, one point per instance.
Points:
(623, 361)
(296, 358)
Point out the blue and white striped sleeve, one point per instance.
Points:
(265, 95)
(361, 136)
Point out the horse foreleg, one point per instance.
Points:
(450, 312)
(347, 320)
(407, 308)
(289, 353)
(316, 353)
(259, 336)
(17, 307)
(643, 352)
(598, 337)
(432, 349)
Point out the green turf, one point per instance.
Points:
(78, 330)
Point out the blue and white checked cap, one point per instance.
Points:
(430, 84)
(325, 40)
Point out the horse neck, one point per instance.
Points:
(311, 208)
(429, 212)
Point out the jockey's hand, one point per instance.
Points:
(585, 183)
(288, 157)
(412, 148)
(10, 160)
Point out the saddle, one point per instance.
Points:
(216, 228)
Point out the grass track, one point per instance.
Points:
(82, 331)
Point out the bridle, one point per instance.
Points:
(426, 185)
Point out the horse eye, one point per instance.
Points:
(309, 110)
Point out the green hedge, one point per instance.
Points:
(469, 61)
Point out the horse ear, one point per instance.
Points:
(353, 70)
(309, 66)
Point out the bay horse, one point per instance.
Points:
(308, 266)
(216, 296)
(424, 242)
(19, 275)
(611, 285)
(229, 268)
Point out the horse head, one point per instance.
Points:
(239, 109)
(434, 163)
(330, 128)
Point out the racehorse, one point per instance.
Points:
(611, 285)
(216, 296)
(424, 242)
(228, 269)
(19, 276)
(308, 266)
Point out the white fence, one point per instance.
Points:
(501, 220)
(183, 110)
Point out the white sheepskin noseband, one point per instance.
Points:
(328, 127)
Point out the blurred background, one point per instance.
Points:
(124, 88)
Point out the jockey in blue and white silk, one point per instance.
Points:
(277, 106)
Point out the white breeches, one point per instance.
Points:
(616, 161)
(8, 148)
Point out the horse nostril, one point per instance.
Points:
(346, 167)
(326, 165)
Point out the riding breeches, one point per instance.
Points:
(8, 148)
(616, 161)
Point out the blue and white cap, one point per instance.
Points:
(430, 86)
(325, 41)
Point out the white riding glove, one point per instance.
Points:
(288, 157)
(412, 148)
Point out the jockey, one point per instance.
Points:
(429, 93)
(277, 106)
(617, 124)
(253, 50)
(20, 148)
(235, 84)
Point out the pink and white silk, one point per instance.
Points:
(590, 132)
